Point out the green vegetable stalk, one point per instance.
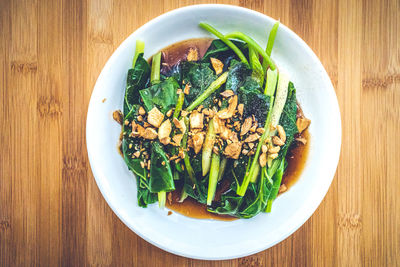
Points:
(277, 183)
(138, 50)
(258, 72)
(229, 43)
(186, 159)
(252, 43)
(211, 89)
(161, 199)
(222, 167)
(270, 44)
(280, 99)
(179, 104)
(271, 38)
(207, 148)
(213, 178)
(272, 78)
(155, 78)
(256, 172)
(155, 68)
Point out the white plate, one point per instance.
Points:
(208, 239)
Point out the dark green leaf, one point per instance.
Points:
(162, 95)
(174, 71)
(197, 190)
(255, 103)
(245, 207)
(144, 195)
(277, 178)
(219, 50)
(288, 118)
(161, 178)
(137, 79)
(238, 73)
(199, 76)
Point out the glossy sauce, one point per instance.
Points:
(177, 52)
(191, 208)
(296, 157)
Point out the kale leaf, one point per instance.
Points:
(162, 95)
(219, 50)
(144, 195)
(198, 189)
(199, 76)
(137, 79)
(161, 178)
(238, 74)
(255, 102)
(288, 118)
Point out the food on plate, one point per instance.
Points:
(213, 122)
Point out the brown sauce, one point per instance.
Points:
(191, 208)
(296, 158)
(297, 155)
(177, 52)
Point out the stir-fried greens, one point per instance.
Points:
(229, 116)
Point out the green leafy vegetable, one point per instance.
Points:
(137, 79)
(214, 86)
(288, 118)
(155, 68)
(199, 76)
(277, 178)
(237, 75)
(270, 44)
(253, 44)
(207, 148)
(213, 178)
(179, 104)
(157, 166)
(255, 103)
(249, 175)
(258, 72)
(162, 95)
(225, 40)
(219, 50)
(139, 49)
(160, 173)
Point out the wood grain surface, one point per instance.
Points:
(51, 211)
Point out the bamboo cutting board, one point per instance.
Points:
(51, 211)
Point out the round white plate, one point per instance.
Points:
(208, 239)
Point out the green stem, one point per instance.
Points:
(155, 68)
(161, 199)
(271, 38)
(270, 44)
(179, 104)
(213, 178)
(138, 50)
(222, 167)
(251, 42)
(256, 172)
(207, 148)
(229, 43)
(186, 160)
(211, 89)
(270, 85)
(277, 183)
(258, 72)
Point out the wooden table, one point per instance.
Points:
(51, 211)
